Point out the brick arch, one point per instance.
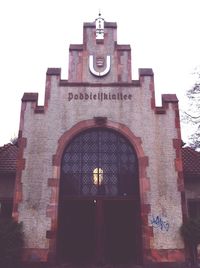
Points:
(87, 124)
(144, 185)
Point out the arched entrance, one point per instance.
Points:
(99, 205)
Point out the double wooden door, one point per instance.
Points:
(99, 230)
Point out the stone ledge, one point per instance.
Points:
(146, 72)
(54, 71)
(32, 97)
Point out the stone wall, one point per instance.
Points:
(192, 189)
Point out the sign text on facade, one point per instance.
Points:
(101, 96)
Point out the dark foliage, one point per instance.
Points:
(11, 243)
(190, 231)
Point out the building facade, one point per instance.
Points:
(99, 170)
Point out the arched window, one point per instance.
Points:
(99, 162)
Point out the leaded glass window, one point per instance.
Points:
(99, 162)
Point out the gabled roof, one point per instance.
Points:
(191, 162)
(8, 157)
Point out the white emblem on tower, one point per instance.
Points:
(99, 63)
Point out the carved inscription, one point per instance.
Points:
(101, 96)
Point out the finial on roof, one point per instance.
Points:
(99, 27)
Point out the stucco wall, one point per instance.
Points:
(7, 183)
(192, 189)
(157, 132)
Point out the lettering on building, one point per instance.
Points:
(100, 96)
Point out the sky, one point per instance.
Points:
(36, 34)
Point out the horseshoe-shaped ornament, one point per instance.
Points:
(99, 74)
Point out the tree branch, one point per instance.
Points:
(192, 117)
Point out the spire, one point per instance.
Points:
(99, 27)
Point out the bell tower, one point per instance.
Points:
(100, 59)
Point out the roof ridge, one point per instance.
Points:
(6, 147)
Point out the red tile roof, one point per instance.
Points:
(8, 157)
(191, 162)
